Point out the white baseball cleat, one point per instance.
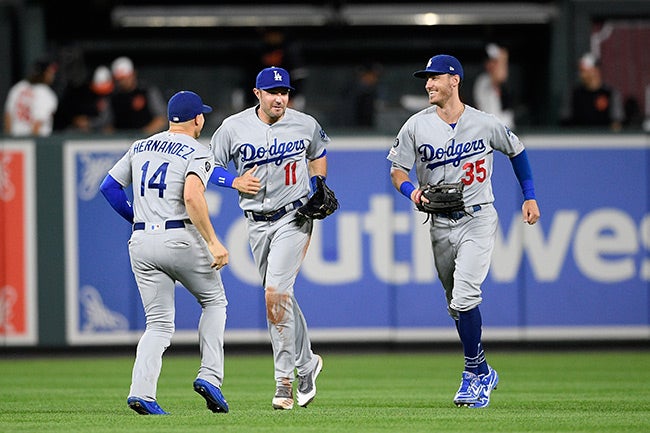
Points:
(307, 384)
(283, 398)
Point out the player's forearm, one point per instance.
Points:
(222, 177)
(197, 209)
(524, 174)
(398, 177)
(318, 167)
(199, 216)
(403, 184)
(116, 197)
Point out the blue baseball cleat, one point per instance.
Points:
(469, 391)
(144, 407)
(489, 382)
(214, 399)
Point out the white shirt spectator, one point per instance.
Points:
(489, 86)
(30, 109)
(31, 103)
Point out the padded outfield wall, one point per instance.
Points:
(581, 273)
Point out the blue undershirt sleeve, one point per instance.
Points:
(116, 197)
(522, 170)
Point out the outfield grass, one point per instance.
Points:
(570, 391)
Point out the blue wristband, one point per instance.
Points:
(312, 181)
(222, 177)
(407, 188)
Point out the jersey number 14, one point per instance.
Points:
(156, 181)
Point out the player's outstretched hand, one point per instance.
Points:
(530, 211)
(247, 183)
(220, 255)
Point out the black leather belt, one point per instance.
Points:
(171, 224)
(459, 214)
(274, 215)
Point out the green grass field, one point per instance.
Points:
(570, 391)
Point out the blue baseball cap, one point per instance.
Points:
(272, 78)
(441, 64)
(184, 106)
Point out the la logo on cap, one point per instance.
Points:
(277, 76)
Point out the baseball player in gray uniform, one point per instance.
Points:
(276, 151)
(452, 142)
(172, 240)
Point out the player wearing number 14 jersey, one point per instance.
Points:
(451, 142)
(172, 240)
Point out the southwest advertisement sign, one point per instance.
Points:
(17, 246)
(582, 272)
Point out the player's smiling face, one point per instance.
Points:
(439, 88)
(273, 103)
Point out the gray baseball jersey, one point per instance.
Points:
(462, 247)
(157, 167)
(441, 153)
(281, 152)
(165, 247)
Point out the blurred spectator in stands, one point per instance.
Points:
(275, 50)
(366, 95)
(491, 92)
(31, 103)
(86, 108)
(633, 115)
(593, 102)
(135, 105)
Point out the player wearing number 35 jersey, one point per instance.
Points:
(277, 152)
(451, 142)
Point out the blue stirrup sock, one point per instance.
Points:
(469, 325)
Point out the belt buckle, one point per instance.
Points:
(275, 215)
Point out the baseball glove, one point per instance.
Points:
(443, 198)
(321, 204)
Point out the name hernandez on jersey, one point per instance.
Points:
(163, 146)
(159, 165)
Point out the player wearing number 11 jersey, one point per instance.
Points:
(277, 152)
